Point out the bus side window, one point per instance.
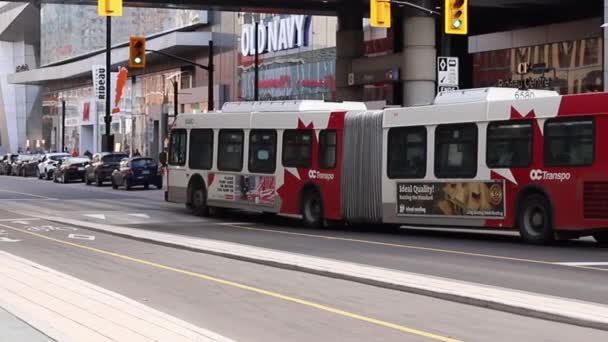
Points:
(177, 151)
(407, 152)
(262, 151)
(569, 142)
(328, 149)
(230, 155)
(201, 149)
(456, 151)
(297, 148)
(509, 144)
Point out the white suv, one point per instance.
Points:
(46, 167)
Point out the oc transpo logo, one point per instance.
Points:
(537, 175)
(314, 174)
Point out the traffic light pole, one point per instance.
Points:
(209, 68)
(108, 117)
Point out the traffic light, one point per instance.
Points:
(456, 16)
(380, 13)
(137, 52)
(112, 8)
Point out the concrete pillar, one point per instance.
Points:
(349, 46)
(418, 70)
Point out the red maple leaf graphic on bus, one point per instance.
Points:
(293, 184)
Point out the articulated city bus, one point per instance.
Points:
(495, 158)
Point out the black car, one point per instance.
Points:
(70, 169)
(137, 171)
(102, 166)
(7, 163)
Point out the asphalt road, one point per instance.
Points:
(493, 259)
(249, 302)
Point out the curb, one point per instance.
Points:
(563, 310)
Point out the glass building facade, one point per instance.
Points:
(68, 31)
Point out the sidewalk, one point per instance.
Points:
(15, 330)
(69, 309)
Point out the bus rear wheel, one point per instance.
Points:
(198, 201)
(535, 220)
(312, 209)
(601, 238)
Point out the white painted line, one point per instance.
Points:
(566, 310)
(81, 237)
(2, 232)
(232, 223)
(96, 216)
(140, 215)
(20, 220)
(25, 194)
(5, 239)
(583, 263)
(25, 223)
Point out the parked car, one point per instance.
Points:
(70, 169)
(47, 166)
(16, 167)
(29, 166)
(137, 171)
(7, 163)
(101, 167)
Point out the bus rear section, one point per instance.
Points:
(526, 160)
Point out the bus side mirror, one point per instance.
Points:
(162, 157)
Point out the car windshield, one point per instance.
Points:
(78, 160)
(143, 163)
(114, 158)
(58, 158)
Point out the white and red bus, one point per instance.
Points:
(494, 158)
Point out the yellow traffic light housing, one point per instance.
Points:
(380, 13)
(456, 13)
(112, 8)
(137, 52)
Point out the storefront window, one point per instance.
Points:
(570, 67)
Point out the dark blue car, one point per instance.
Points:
(138, 171)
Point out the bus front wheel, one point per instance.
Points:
(601, 238)
(535, 221)
(198, 201)
(312, 209)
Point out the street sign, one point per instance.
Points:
(447, 73)
(109, 8)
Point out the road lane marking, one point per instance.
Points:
(140, 216)
(23, 221)
(249, 288)
(427, 249)
(81, 237)
(96, 216)
(582, 263)
(26, 194)
(5, 239)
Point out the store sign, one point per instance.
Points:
(100, 84)
(278, 34)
